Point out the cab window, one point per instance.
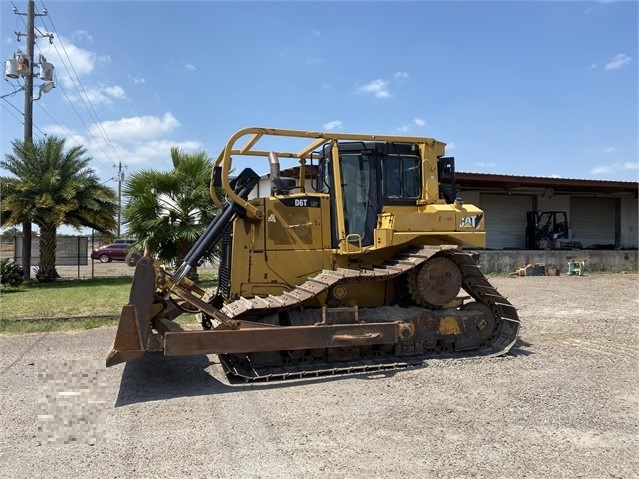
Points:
(402, 177)
(356, 185)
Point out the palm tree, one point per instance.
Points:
(169, 210)
(50, 188)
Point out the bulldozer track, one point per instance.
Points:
(473, 282)
(328, 278)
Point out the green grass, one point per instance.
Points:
(69, 305)
(51, 325)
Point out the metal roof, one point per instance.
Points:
(484, 181)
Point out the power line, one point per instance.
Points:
(24, 24)
(75, 80)
(92, 113)
(21, 120)
(82, 95)
(79, 88)
(77, 113)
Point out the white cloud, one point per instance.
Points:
(378, 88)
(485, 164)
(138, 127)
(313, 60)
(72, 138)
(601, 169)
(618, 61)
(100, 96)
(153, 154)
(599, 150)
(190, 67)
(115, 91)
(451, 146)
(81, 35)
(332, 125)
(138, 142)
(301, 55)
(158, 149)
(104, 59)
(95, 97)
(84, 61)
(401, 77)
(403, 128)
(615, 167)
(136, 80)
(408, 127)
(316, 33)
(601, 3)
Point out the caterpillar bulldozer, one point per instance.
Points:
(358, 263)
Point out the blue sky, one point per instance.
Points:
(522, 88)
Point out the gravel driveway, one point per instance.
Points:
(565, 403)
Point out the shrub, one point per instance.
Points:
(46, 275)
(11, 274)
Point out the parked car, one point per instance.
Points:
(124, 240)
(111, 252)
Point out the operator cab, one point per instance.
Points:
(372, 174)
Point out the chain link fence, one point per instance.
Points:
(73, 256)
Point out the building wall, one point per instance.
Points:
(594, 220)
(628, 218)
(470, 197)
(553, 203)
(505, 219)
(596, 261)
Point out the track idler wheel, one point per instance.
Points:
(435, 283)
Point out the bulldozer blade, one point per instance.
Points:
(134, 327)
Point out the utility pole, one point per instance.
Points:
(13, 70)
(28, 130)
(120, 179)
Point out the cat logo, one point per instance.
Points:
(470, 221)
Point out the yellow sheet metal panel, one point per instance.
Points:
(296, 222)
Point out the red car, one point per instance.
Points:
(111, 252)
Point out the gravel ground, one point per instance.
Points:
(564, 403)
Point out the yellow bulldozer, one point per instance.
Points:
(359, 261)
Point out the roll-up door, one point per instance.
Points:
(505, 220)
(593, 220)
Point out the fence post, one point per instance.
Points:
(78, 238)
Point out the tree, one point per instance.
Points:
(169, 210)
(51, 188)
(11, 232)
